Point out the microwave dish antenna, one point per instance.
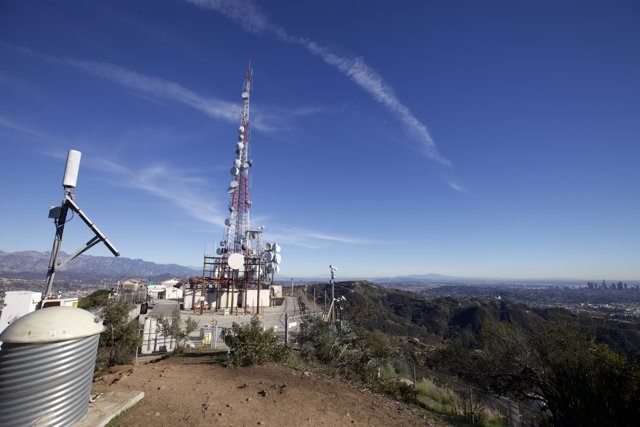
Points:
(236, 261)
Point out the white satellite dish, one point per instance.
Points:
(241, 129)
(236, 261)
(276, 248)
(267, 247)
(276, 269)
(233, 184)
(230, 190)
(235, 171)
(237, 163)
(241, 137)
(245, 95)
(268, 256)
(246, 165)
(227, 222)
(239, 146)
(277, 258)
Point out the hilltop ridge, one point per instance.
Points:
(33, 264)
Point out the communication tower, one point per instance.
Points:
(234, 277)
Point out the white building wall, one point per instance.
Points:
(17, 304)
(192, 297)
(252, 298)
(276, 291)
(173, 293)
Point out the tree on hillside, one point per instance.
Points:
(172, 327)
(582, 383)
(121, 337)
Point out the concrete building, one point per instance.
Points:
(131, 285)
(214, 300)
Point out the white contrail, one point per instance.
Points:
(248, 15)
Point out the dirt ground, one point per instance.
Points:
(195, 391)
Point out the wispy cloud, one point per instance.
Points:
(250, 17)
(265, 119)
(183, 189)
(309, 239)
(453, 184)
(158, 88)
(21, 128)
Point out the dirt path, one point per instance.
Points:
(193, 391)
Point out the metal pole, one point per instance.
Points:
(286, 328)
(333, 300)
(51, 272)
(414, 376)
(325, 301)
(215, 334)
(258, 289)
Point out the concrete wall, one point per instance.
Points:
(252, 298)
(227, 299)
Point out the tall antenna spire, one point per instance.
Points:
(239, 220)
(235, 276)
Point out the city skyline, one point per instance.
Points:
(480, 140)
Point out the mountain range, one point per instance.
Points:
(34, 264)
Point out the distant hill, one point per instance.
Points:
(33, 264)
(401, 313)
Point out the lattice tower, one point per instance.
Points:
(238, 222)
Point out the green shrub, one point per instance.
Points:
(400, 390)
(251, 344)
(120, 338)
(94, 299)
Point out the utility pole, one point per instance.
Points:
(333, 269)
(325, 301)
(286, 328)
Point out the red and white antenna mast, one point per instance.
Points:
(238, 222)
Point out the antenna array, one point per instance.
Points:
(241, 262)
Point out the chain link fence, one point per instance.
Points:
(471, 399)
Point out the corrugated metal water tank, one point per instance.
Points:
(47, 362)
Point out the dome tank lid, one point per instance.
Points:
(52, 324)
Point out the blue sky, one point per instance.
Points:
(495, 139)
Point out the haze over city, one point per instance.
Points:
(389, 138)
